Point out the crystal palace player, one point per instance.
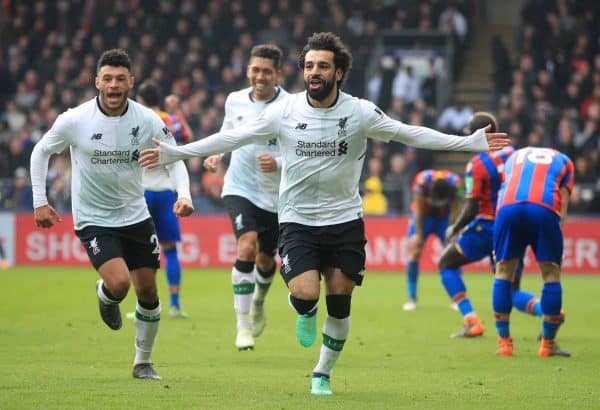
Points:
(160, 191)
(435, 203)
(484, 174)
(532, 206)
(322, 133)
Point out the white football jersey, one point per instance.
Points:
(106, 186)
(323, 150)
(244, 177)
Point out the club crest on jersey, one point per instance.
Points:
(95, 248)
(342, 124)
(135, 140)
(239, 225)
(271, 142)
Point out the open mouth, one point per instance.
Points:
(315, 83)
(114, 97)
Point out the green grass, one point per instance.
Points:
(55, 353)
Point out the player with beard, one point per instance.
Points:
(111, 218)
(322, 133)
(250, 193)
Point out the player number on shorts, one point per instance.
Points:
(154, 240)
(536, 156)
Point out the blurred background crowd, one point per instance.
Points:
(546, 93)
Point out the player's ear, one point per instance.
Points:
(97, 82)
(131, 81)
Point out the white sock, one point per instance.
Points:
(335, 332)
(243, 288)
(146, 327)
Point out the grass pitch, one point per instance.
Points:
(55, 353)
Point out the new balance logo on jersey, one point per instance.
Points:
(135, 155)
(301, 126)
(285, 264)
(135, 140)
(343, 148)
(239, 225)
(272, 142)
(94, 246)
(96, 136)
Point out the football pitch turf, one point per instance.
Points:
(55, 352)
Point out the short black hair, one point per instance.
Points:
(441, 189)
(270, 51)
(480, 120)
(342, 58)
(150, 93)
(115, 58)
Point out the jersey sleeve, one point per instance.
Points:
(419, 183)
(569, 175)
(379, 126)
(227, 120)
(474, 179)
(54, 141)
(262, 128)
(160, 129)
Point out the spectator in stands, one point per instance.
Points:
(406, 85)
(19, 197)
(396, 184)
(454, 117)
(374, 200)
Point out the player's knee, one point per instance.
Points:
(246, 249)
(118, 287)
(338, 306)
(301, 305)
(444, 262)
(304, 293)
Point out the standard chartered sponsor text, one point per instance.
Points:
(316, 149)
(101, 157)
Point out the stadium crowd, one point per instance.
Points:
(198, 52)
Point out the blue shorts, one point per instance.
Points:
(476, 241)
(160, 205)
(431, 224)
(522, 224)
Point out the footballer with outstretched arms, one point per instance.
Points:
(322, 133)
(105, 136)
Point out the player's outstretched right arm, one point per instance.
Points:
(255, 131)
